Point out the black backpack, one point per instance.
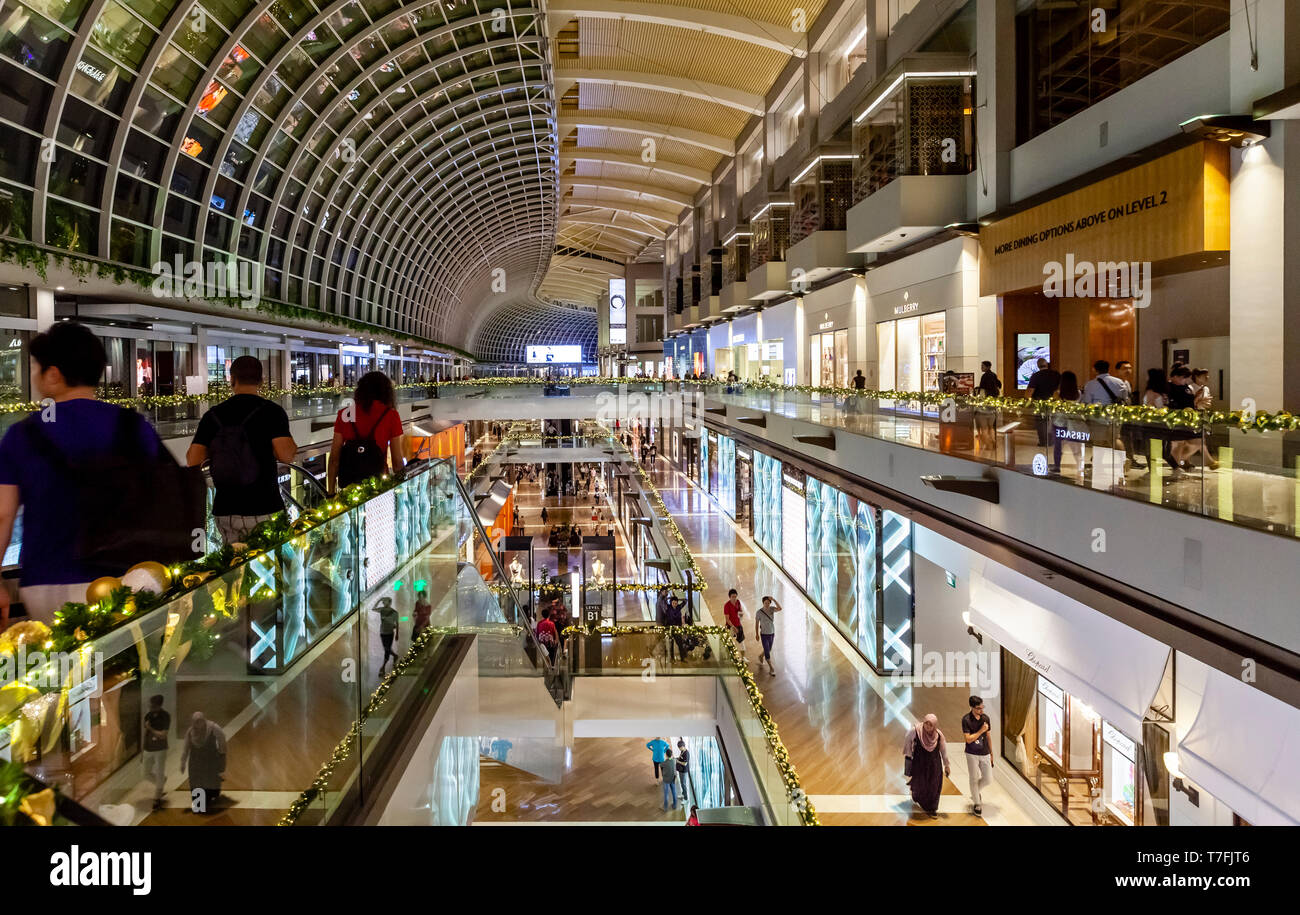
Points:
(129, 508)
(361, 458)
(232, 460)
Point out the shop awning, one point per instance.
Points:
(1242, 748)
(1112, 667)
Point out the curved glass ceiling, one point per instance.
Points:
(375, 160)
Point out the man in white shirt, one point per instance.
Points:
(1105, 388)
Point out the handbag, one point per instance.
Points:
(907, 766)
(740, 634)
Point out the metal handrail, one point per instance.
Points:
(539, 649)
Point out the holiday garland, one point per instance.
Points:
(79, 622)
(345, 747)
(780, 755)
(1187, 418)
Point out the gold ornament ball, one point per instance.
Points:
(147, 576)
(102, 588)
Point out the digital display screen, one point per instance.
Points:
(554, 355)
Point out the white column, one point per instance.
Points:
(199, 361)
(995, 103)
(41, 307)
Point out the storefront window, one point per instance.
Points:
(794, 534)
(823, 568)
(116, 372)
(828, 359)
(705, 451)
(745, 489)
(13, 367)
(727, 474)
(855, 579)
(912, 352)
(1087, 769)
(896, 592)
(767, 503)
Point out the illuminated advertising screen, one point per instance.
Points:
(554, 355)
(618, 302)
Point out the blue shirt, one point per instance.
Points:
(82, 429)
(659, 749)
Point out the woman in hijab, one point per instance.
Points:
(925, 754)
(205, 755)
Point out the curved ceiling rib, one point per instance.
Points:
(652, 97)
(408, 165)
(392, 163)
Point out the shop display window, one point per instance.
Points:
(1088, 770)
(794, 555)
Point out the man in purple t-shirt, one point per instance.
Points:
(67, 362)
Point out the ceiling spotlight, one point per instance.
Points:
(1237, 130)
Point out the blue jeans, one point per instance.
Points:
(670, 789)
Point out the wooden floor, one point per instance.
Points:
(605, 780)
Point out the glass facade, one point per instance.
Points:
(727, 474)
(844, 559)
(767, 503)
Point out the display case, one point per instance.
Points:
(1119, 776)
(599, 582)
(933, 359)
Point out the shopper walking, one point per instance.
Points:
(977, 730)
(733, 615)
(668, 775)
(547, 634)
(990, 385)
(420, 614)
(70, 466)
(658, 753)
(387, 629)
(683, 765)
(765, 622)
(1042, 385)
(242, 439)
(153, 748)
(1068, 430)
(203, 758)
(366, 433)
(925, 759)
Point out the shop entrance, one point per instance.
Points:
(912, 352)
(828, 359)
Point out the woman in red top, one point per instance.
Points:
(734, 614)
(373, 415)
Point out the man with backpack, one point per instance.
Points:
(242, 438)
(99, 492)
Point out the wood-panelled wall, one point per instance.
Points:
(1083, 330)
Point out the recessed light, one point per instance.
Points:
(58, 288)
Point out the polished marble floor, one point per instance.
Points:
(605, 780)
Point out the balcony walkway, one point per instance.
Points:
(843, 725)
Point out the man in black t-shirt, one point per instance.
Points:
(153, 746)
(243, 437)
(978, 732)
(1042, 385)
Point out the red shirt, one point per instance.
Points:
(546, 633)
(366, 420)
(732, 611)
